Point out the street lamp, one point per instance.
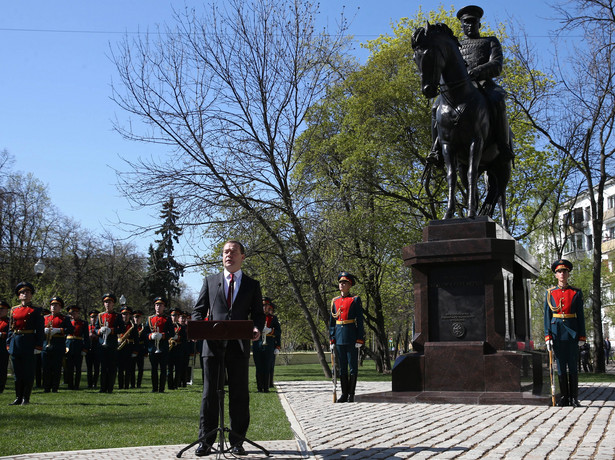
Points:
(39, 267)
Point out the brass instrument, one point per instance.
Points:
(157, 342)
(49, 334)
(124, 339)
(106, 333)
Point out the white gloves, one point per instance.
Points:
(266, 330)
(276, 352)
(48, 330)
(37, 351)
(581, 343)
(56, 330)
(83, 353)
(156, 335)
(331, 346)
(358, 345)
(104, 330)
(549, 345)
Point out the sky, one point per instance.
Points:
(56, 111)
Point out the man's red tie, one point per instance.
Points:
(229, 296)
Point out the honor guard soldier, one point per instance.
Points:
(140, 351)
(175, 350)
(26, 336)
(92, 359)
(264, 349)
(57, 327)
(77, 346)
(564, 322)
(4, 333)
(108, 325)
(125, 349)
(158, 330)
(347, 334)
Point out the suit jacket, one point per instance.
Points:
(211, 305)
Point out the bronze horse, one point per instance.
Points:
(463, 120)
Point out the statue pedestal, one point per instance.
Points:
(472, 319)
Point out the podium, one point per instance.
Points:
(221, 331)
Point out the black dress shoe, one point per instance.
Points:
(238, 450)
(202, 450)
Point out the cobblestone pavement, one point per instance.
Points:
(393, 430)
(367, 430)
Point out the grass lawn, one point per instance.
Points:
(86, 419)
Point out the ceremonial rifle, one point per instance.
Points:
(551, 373)
(334, 375)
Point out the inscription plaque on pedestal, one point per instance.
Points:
(457, 300)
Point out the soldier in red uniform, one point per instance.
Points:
(4, 333)
(140, 351)
(264, 349)
(57, 327)
(564, 323)
(159, 329)
(175, 350)
(92, 359)
(77, 346)
(125, 349)
(108, 324)
(347, 334)
(25, 338)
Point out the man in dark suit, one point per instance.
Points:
(230, 295)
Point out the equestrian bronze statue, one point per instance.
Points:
(471, 132)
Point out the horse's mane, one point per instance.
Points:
(423, 33)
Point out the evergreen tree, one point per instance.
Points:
(163, 271)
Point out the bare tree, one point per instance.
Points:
(227, 92)
(577, 117)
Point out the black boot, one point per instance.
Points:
(574, 390)
(344, 385)
(352, 385)
(563, 386)
(18, 394)
(27, 391)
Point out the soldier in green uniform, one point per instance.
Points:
(347, 334)
(564, 322)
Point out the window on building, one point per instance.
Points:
(574, 243)
(610, 202)
(578, 216)
(588, 242)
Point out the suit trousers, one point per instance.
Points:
(236, 365)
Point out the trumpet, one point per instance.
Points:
(106, 333)
(157, 342)
(49, 335)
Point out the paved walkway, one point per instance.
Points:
(369, 430)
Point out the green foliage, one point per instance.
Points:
(163, 270)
